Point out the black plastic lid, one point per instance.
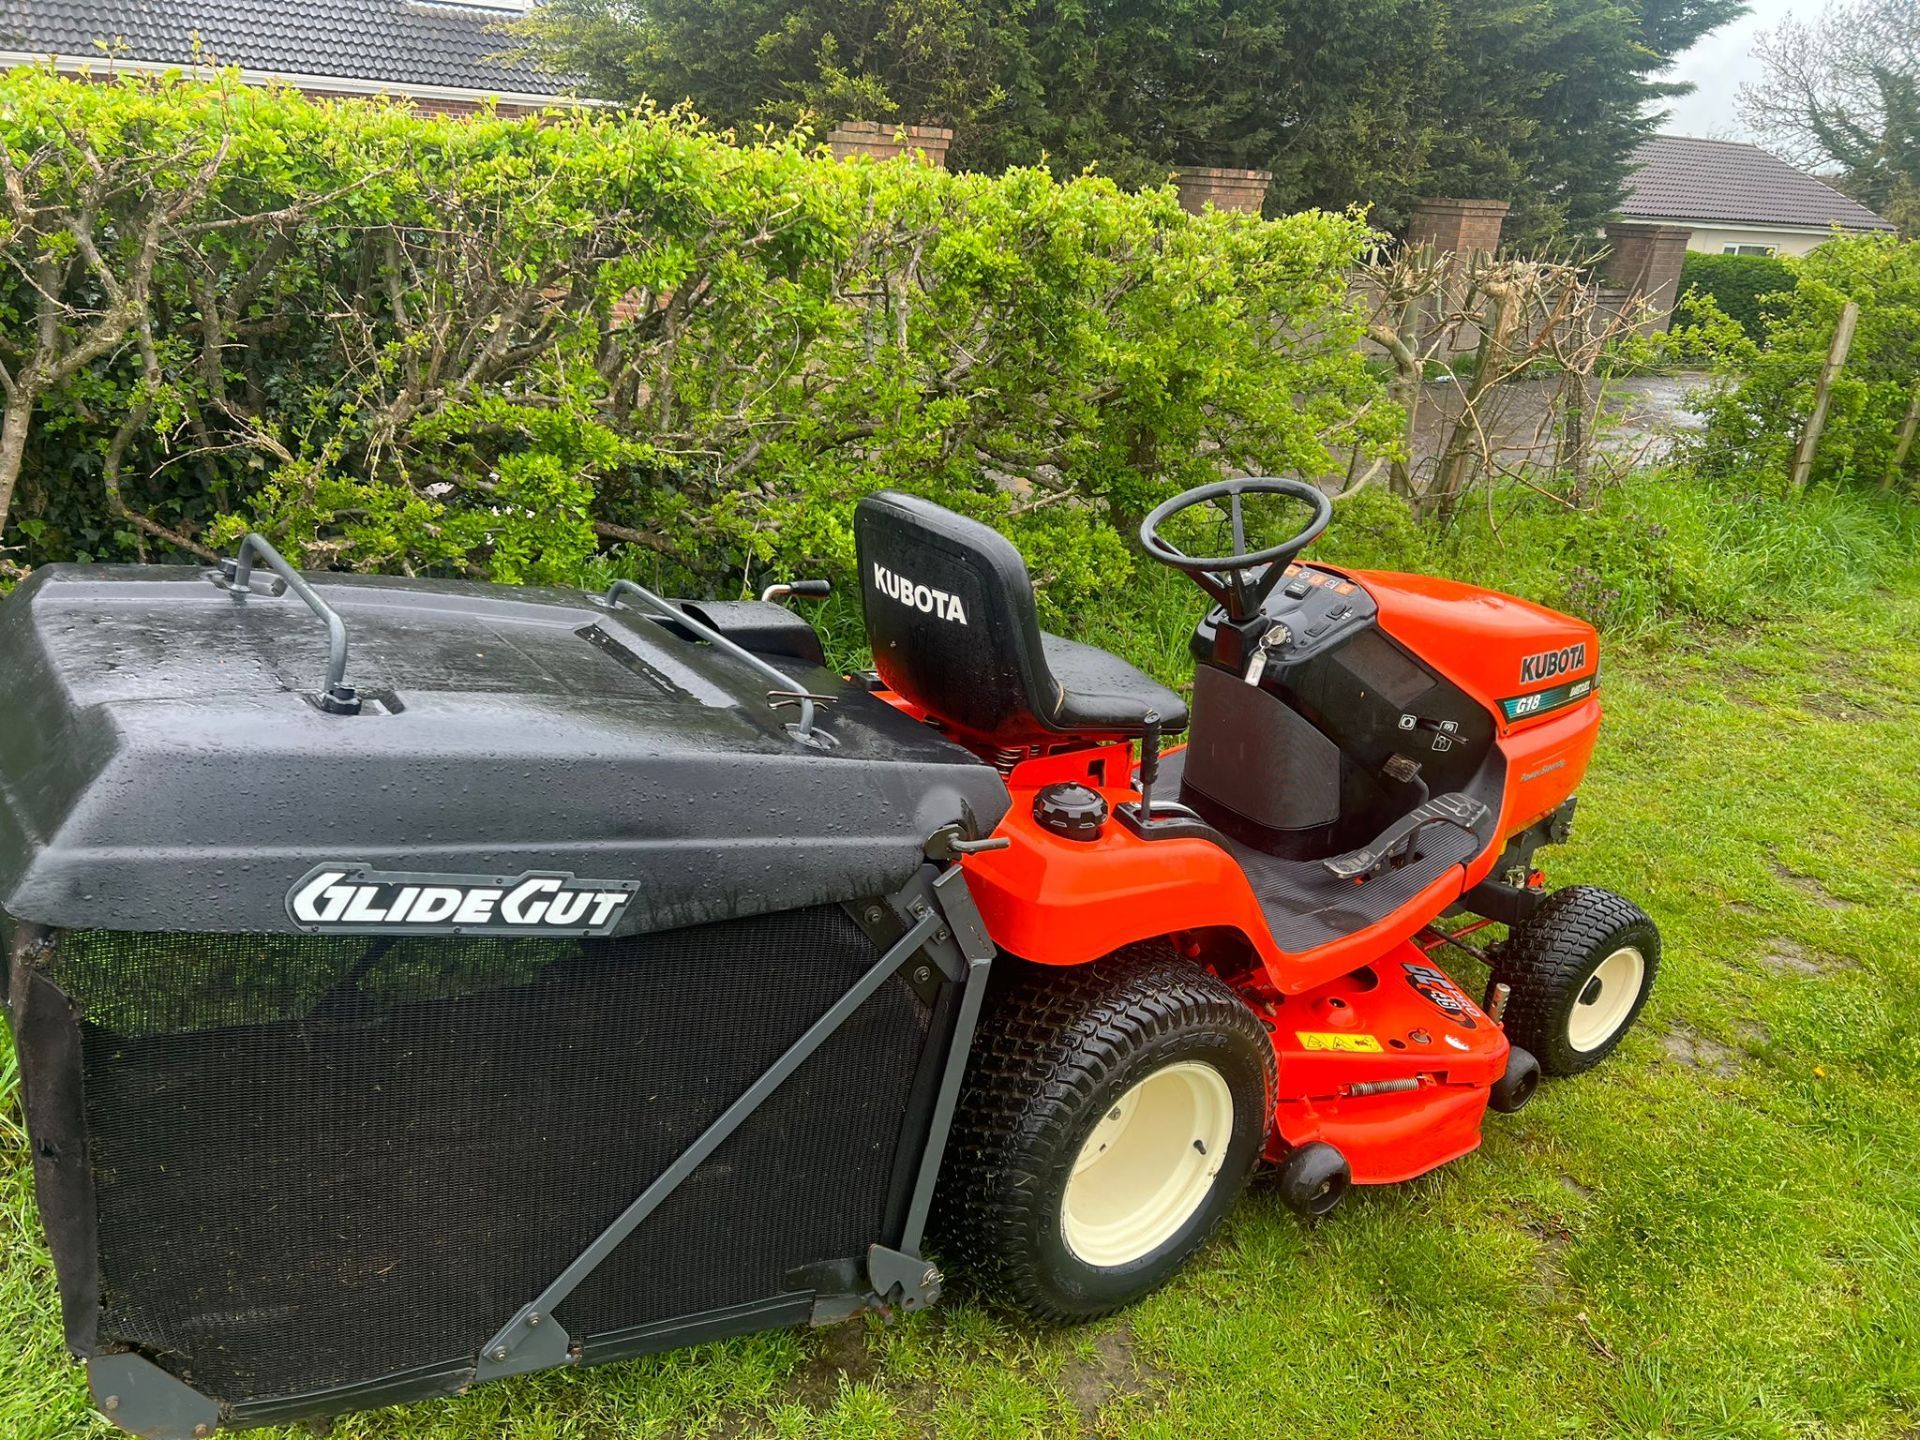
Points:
(1073, 810)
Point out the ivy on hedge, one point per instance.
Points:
(530, 349)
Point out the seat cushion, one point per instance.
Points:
(1102, 692)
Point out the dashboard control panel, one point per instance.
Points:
(1318, 608)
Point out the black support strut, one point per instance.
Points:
(533, 1339)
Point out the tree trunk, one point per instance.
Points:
(1904, 445)
(1580, 418)
(1454, 474)
(13, 444)
(1408, 380)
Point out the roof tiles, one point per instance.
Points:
(1724, 182)
(388, 42)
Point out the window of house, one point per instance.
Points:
(1746, 249)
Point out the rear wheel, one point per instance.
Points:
(1581, 969)
(1111, 1115)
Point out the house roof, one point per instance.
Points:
(395, 44)
(1723, 182)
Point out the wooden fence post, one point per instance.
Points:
(1816, 422)
(1907, 428)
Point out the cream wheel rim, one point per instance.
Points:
(1607, 998)
(1148, 1166)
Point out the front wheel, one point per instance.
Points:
(1581, 969)
(1110, 1117)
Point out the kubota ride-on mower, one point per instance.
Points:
(572, 977)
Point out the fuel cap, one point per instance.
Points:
(1075, 811)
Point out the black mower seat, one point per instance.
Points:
(950, 614)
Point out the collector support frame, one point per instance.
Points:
(942, 922)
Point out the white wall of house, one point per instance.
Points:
(1714, 239)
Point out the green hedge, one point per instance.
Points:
(1738, 284)
(1757, 412)
(547, 349)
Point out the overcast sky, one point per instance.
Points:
(1720, 64)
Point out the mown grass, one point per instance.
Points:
(1716, 1234)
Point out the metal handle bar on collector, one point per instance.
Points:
(338, 697)
(802, 729)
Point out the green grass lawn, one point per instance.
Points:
(1717, 1233)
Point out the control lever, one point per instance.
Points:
(950, 842)
(1462, 811)
(799, 590)
(1149, 763)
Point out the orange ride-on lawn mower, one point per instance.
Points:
(565, 977)
(1225, 948)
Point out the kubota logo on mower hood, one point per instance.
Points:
(923, 598)
(1549, 663)
(345, 897)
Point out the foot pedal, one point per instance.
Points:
(1453, 808)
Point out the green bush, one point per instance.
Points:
(1757, 411)
(549, 349)
(1664, 551)
(1740, 285)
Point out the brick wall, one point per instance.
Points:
(881, 141)
(1462, 229)
(1244, 191)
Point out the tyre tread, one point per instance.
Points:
(1553, 951)
(1048, 1041)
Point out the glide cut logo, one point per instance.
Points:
(345, 897)
(916, 596)
(1549, 663)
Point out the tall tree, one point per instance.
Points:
(742, 62)
(1542, 102)
(1538, 102)
(1842, 95)
(1321, 92)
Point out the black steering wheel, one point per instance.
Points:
(1237, 582)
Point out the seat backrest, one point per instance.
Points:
(950, 614)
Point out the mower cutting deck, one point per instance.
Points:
(406, 974)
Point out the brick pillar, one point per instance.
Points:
(1645, 260)
(882, 141)
(1458, 227)
(1462, 229)
(1243, 191)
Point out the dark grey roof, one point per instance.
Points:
(1725, 182)
(385, 42)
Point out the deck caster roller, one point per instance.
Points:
(1314, 1179)
(1513, 1089)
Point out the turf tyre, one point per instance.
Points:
(1057, 1051)
(1553, 959)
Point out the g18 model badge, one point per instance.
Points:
(351, 898)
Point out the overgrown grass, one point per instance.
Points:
(1716, 1234)
(1666, 552)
